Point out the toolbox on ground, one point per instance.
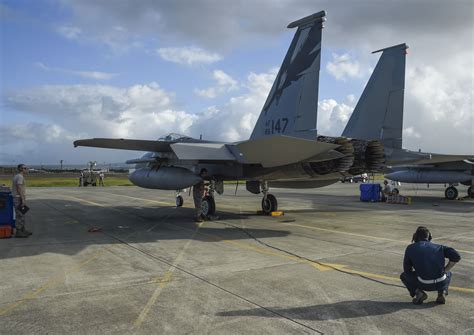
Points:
(370, 192)
(7, 212)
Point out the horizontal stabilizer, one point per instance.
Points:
(203, 151)
(280, 150)
(125, 144)
(438, 159)
(326, 156)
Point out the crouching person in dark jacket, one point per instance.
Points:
(424, 267)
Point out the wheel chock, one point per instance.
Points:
(277, 213)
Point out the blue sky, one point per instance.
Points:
(74, 69)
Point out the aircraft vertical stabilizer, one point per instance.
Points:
(378, 114)
(291, 107)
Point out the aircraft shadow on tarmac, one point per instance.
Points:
(336, 311)
(63, 227)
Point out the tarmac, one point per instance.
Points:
(125, 260)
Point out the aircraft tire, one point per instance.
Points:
(179, 201)
(270, 204)
(470, 192)
(208, 206)
(451, 193)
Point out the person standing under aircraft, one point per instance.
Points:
(19, 200)
(387, 190)
(198, 194)
(424, 267)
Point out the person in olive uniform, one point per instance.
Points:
(198, 194)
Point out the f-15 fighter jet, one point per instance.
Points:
(283, 150)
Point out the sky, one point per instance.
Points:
(72, 69)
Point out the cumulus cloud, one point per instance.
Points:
(99, 110)
(140, 111)
(224, 84)
(235, 119)
(188, 55)
(343, 67)
(81, 111)
(97, 75)
(31, 132)
(333, 115)
(438, 109)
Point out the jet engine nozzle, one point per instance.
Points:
(369, 156)
(337, 165)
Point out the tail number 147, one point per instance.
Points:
(277, 126)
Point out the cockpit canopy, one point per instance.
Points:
(174, 137)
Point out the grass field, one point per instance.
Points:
(68, 181)
(34, 181)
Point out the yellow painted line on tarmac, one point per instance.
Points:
(56, 280)
(354, 234)
(147, 200)
(85, 201)
(163, 281)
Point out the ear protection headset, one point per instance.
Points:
(421, 234)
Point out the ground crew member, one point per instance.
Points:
(101, 179)
(19, 200)
(387, 190)
(81, 179)
(198, 194)
(424, 267)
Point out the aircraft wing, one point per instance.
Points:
(267, 151)
(280, 150)
(125, 144)
(203, 151)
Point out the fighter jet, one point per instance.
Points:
(379, 115)
(283, 150)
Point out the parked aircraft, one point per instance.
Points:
(379, 115)
(283, 150)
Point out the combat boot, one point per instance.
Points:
(441, 299)
(21, 234)
(27, 232)
(420, 296)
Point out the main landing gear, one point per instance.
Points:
(269, 201)
(179, 198)
(208, 205)
(451, 193)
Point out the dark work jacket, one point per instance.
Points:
(428, 259)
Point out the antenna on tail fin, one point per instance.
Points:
(291, 107)
(378, 114)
